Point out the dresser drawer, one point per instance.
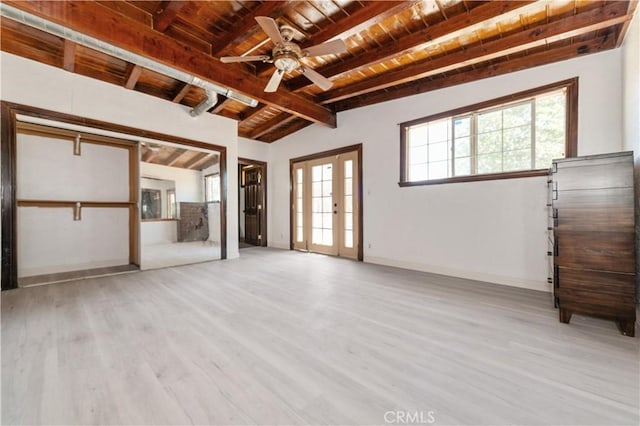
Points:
(593, 173)
(600, 251)
(599, 282)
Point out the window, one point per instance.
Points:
(212, 188)
(513, 136)
(171, 204)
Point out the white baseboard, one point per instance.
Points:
(470, 275)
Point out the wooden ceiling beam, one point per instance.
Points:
(182, 93)
(221, 105)
(166, 13)
(211, 160)
(243, 28)
(435, 34)
(269, 125)
(195, 160)
(69, 61)
(372, 13)
(583, 23)
(280, 133)
(253, 114)
(554, 54)
(175, 157)
(633, 4)
(115, 28)
(133, 76)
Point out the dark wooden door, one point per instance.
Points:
(253, 206)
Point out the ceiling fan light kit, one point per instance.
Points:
(286, 55)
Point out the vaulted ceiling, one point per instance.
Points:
(394, 48)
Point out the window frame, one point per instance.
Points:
(571, 131)
(212, 175)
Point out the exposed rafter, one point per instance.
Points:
(128, 34)
(572, 26)
(133, 76)
(277, 121)
(69, 63)
(551, 55)
(445, 30)
(165, 14)
(241, 30)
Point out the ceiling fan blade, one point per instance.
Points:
(318, 79)
(328, 48)
(274, 82)
(270, 26)
(229, 59)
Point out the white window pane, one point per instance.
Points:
(348, 186)
(490, 142)
(418, 155)
(517, 160)
(316, 236)
(438, 152)
(517, 138)
(299, 204)
(438, 170)
(348, 239)
(300, 234)
(348, 168)
(490, 163)
(327, 172)
(326, 204)
(348, 221)
(299, 219)
(299, 175)
(417, 135)
(299, 190)
(438, 131)
(316, 204)
(348, 204)
(463, 147)
(418, 172)
(463, 166)
(327, 237)
(490, 122)
(327, 220)
(462, 126)
(316, 173)
(326, 188)
(316, 189)
(316, 220)
(517, 115)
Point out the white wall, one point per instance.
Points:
(492, 230)
(631, 115)
(32, 83)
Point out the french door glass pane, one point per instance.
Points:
(299, 206)
(322, 208)
(348, 204)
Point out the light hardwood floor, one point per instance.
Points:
(279, 337)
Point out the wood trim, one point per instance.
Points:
(56, 132)
(476, 178)
(223, 203)
(571, 143)
(264, 218)
(134, 212)
(332, 152)
(83, 204)
(9, 247)
(159, 220)
(9, 267)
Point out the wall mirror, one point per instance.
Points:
(157, 199)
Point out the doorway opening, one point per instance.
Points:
(326, 202)
(252, 203)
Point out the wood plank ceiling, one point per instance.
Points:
(394, 49)
(173, 156)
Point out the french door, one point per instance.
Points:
(326, 205)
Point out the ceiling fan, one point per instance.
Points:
(287, 55)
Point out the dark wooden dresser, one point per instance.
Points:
(594, 240)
